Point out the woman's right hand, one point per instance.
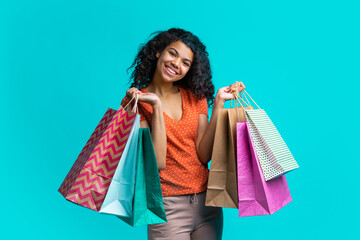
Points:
(150, 98)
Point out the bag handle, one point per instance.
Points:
(234, 101)
(247, 103)
(238, 99)
(135, 107)
(251, 99)
(241, 94)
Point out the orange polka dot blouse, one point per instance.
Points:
(184, 173)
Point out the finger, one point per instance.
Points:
(233, 85)
(241, 85)
(131, 93)
(132, 90)
(227, 89)
(233, 88)
(128, 94)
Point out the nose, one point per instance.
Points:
(176, 62)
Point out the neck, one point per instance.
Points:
(160, 88)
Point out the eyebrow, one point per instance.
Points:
(178, 54)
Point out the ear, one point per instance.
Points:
(157, 54)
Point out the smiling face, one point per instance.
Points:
(173, 62)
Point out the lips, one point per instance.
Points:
(171, 71)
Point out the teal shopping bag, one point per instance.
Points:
(148, 200)
(119, 197)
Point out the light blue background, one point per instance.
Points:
(63, 63)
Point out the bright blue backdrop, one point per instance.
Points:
(63, 63)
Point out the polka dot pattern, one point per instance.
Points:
(184, 173)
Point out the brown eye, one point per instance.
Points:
(187, 64)
(172, 54)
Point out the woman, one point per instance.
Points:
(172, 79)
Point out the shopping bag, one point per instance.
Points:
(148, 200)
(89, 178)
(256, 196)
(222, 183)
(119, 197)
(274, 155)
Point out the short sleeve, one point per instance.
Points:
(142, 117)
(203, 107)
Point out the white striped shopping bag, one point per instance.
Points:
(274, 155)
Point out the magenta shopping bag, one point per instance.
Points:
(256, 196)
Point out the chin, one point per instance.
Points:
(169, 79)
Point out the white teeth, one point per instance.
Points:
(170, 70)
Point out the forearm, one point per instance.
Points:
(158, 135)
(205, 146)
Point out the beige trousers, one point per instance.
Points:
(188, 219)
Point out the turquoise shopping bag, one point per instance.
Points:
(148, 200)
(119, 198)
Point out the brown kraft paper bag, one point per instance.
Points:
(222, 184)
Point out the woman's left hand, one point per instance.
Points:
(226, 93)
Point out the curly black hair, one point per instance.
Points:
(197, 79)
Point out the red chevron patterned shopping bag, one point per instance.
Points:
(89, 178)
